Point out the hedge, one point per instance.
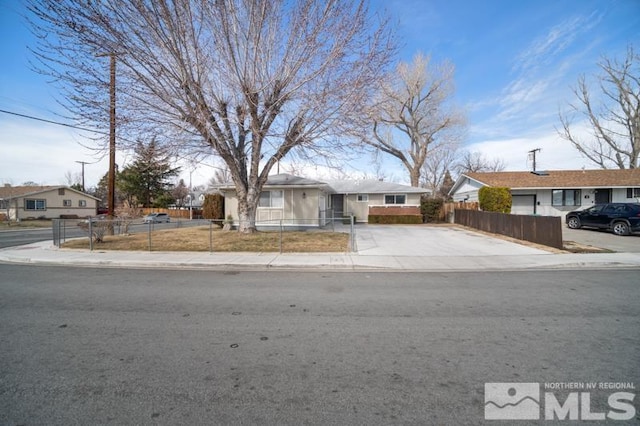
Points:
(495, 199)
(431, 209)
(394, 219)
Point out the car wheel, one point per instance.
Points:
(573, 223)
(621, 228)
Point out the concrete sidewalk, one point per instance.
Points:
(47, 254)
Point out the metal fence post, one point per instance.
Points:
(211, 236)
(353, 240)
(281, 230)
(90, 234)
(149, 235)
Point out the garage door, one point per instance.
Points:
(523, 204)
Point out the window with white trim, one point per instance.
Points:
(82, 203)
(363, 197)
(633, 192)
(395, 199)
(273, 199)
(32, 204)
(566, 197)
(66, 203)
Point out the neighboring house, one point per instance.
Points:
(554, 193)
(47, 202)
(302, 202)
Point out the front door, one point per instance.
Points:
(603, 196)
(337, 203)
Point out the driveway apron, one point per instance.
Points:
(424, 240)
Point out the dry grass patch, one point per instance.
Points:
(198, 239)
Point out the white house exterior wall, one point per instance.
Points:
(543, 199)
(301, 207)
(468, 191)
(360, 209)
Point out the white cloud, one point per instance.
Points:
(555, 154)
(43, 153)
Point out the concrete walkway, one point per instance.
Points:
(380, 248)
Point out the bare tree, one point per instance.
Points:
(413, 110)
(252, 80)
(442, 159)
(472, 162)
(614, 119)
(179, 192)
(220, 176)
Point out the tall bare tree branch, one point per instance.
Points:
(613, 118)
(413, 110)
(253, 80)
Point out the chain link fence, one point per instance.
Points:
(91, 232)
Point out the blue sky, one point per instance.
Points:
(515, 64)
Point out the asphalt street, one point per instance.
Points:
(70, 229)
(19, 237)
(116, 346)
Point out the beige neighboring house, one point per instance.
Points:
(300, 202)
(554, 192)
(45, 202)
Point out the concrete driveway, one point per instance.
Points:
(602, 239)
(432, 241)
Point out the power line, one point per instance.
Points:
(30, 117)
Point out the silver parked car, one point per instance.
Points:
(156, 218)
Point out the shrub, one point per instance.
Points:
(495, 199)
(431, 209)
(394, 219)
(213, 206)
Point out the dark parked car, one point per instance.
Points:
(621, 218)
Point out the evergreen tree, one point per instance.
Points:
(148, 179)
(447, 184)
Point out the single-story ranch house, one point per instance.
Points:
(303, 202)
(46, 202)
(554, 193)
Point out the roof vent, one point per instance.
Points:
(540, 172)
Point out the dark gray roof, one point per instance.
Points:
(285, 179)
(362, 186)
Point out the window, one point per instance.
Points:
(60, 191)
(66, 203)
(271, 199)
(82, 203)
(566, 197)
(633, 192)
(363, 197)
(395, 199)
(35, 204)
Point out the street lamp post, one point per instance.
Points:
(83, 163)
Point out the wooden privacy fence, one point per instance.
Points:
(174, 213)
(545, 230)
(446, 214)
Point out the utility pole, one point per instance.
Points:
(111, 182)
(112, 135)
(532, 154)
(83, 163)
